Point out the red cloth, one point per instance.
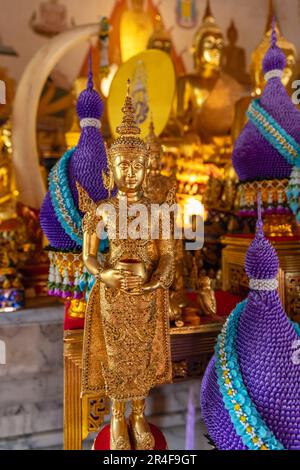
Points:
(102, 440)
(72, 323)
(225, 304)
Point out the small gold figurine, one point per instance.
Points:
(126, 347)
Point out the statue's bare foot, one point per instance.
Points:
(140, 431)
(119, 438)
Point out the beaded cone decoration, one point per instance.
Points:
(269, 145)
(60, 216)
(250, 395)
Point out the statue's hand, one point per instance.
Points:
(130, 281)
(112, 278)
(151, 286)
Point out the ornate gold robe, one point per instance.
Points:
(126, 346)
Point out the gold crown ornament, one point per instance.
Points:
(128, 141)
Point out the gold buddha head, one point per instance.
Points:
(155, 150)
(256, 69)
(160, 38)
(208, 45)
(128, 154)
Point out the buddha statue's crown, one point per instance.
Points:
(153, 141)
(129, 132)
(208, 26)
(160, 38)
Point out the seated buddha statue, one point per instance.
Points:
(206, 97)
(126, 349)
(234, 58)
(256, 72)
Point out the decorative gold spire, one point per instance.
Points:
(128, 125)
(208, 26)
(152, 140)
(207, 12)
(271, 15)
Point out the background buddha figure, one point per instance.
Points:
(156, 185)
(206, 97)
(234, 57)
(160, 38)
(256, 71)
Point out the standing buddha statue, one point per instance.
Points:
(126, 346)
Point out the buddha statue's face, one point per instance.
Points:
(208, 55)
(129, 172)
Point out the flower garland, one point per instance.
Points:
(244, 415)
(62, 199)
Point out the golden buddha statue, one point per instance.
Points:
(256, 71)
(205, 104)
(136, 27)
(160, 38)
(126, 349)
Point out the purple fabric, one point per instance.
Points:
(86, 165)
(253, 157)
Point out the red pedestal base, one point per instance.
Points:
(102, 440)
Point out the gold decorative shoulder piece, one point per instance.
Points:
(88, 207)
(85, 203)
